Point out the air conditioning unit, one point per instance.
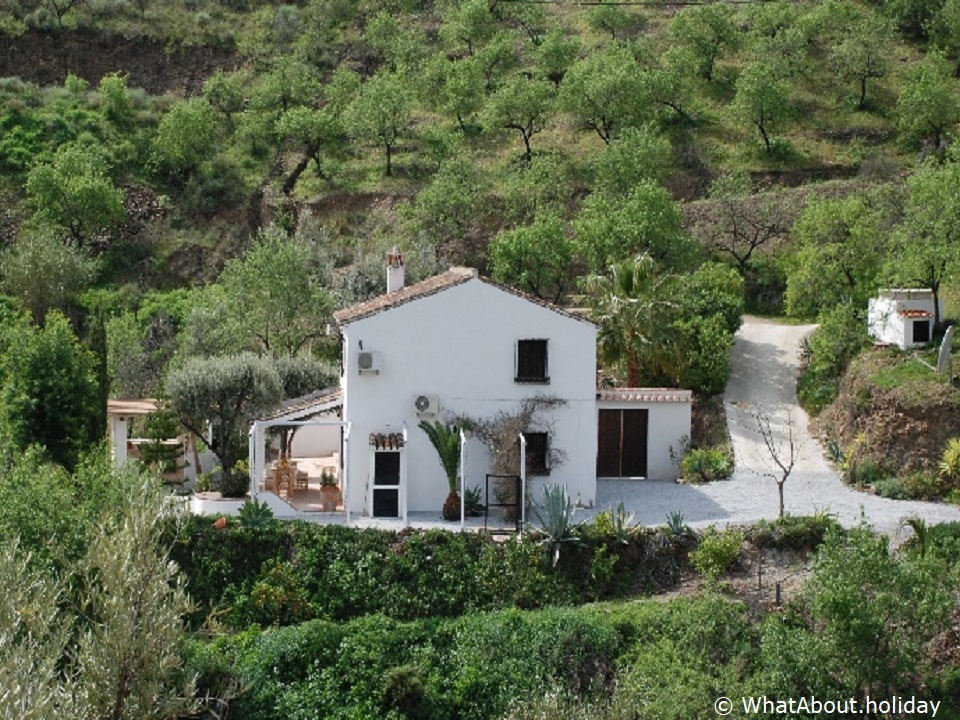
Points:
(426, 405)
(369, 362)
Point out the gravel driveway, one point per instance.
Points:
(764, 364)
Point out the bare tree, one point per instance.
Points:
(783, 447)
(738, 221)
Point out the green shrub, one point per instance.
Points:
(716, 552)
(793, 532)
(841, 335)
(470, 667)
(403, 691)
(860, 595)
(706, 464)
(949, 467)
(891, 488)
(943, 541)
(860, 472)
(922, 485)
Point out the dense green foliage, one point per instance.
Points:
(92, 613)
(48, 394)
(841, 335)
(284, 574)
(672, 657)
(539, 143)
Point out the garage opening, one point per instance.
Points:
(622, 443)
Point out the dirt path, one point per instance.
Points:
(764, 364)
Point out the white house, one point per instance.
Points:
(902, 317)
(458, 344)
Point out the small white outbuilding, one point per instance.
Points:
(903, 317)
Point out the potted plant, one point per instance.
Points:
(329, 492)
(446, 441)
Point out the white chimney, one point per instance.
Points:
(394, 270)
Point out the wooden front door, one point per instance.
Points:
(622, 443)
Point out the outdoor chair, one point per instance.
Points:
(302, 481)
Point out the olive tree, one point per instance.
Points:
(292, 308)
(66, 271)
(840, 246)
(706, 30)
(610, 229)
(927, 244)
(928, 107)
(862, 55)
(74, 191)
(523, 105)
(223, 395)
(761, 100)
(536, 258)
(127, 661)
(380, 113)
(602, 92)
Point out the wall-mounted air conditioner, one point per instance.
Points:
(426, 405)
(369, 362)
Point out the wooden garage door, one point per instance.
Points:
(622, 443)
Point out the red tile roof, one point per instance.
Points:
(431, 286)
(916, 314)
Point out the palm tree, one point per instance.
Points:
(446, 441)
(632, 306)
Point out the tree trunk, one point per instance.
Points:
(389, 148)
(763, 134)
(291, 182)
(780, 492)
(526, 143)
(863, 94)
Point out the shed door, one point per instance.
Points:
(622, 443)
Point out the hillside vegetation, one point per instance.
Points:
(164, 163)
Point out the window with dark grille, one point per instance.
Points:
(537, 453)
(532, 361)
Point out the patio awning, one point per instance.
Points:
(306, 406)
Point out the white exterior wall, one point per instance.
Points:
(460, 345)
(316, 440)
(667, 424)
(886, 324)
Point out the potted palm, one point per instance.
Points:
(446, 441)
(329, 492)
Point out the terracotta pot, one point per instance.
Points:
(220, 523)
(329, 497)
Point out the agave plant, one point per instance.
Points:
(675, 524)
(556, 520)
(256, 515)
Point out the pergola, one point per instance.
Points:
(119, 414)
(298, 412)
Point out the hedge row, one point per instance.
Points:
(476, 666)
(291, 572)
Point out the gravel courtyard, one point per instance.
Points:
(765, 362)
